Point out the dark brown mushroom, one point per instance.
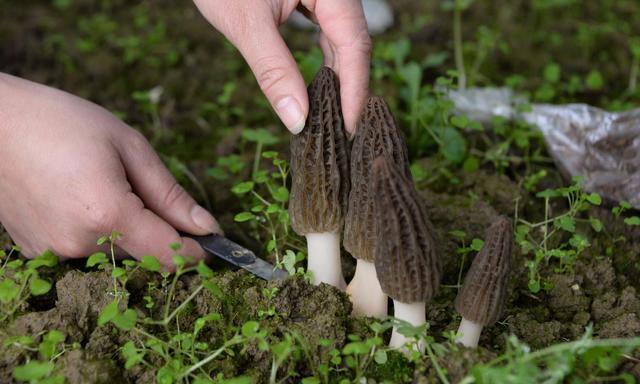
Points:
(481, 299)
(377, 135)
(406, 260)
(320, 179)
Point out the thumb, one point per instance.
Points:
(159, 190)
(277, 73)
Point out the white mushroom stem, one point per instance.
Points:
(323, 254)
(365, 291)
(469, 333)
(414, 314)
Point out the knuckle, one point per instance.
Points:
(101, 217)
(138, 143)
(270, 73)
(69, 247)
(174, 195)
(363, 43)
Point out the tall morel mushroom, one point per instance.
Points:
(377, 135)
(407, 264)
(481, 299)
(320, 179)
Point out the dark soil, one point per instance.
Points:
(85, 47)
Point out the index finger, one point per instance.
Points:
(344, 26)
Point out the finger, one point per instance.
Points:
(159, 190)
(275, 70)
(345, 28)
(328, 52)
(145, 233)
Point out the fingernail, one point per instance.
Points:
(291, 114)
(204, 219)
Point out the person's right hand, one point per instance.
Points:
(71, 172)
(252, 26)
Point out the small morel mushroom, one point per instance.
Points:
(320, 179)
(377, 135)
(481, 299)
(406, 261)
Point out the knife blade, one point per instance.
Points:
(239, 256)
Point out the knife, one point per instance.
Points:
(239, 256)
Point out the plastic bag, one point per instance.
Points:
(600, 146)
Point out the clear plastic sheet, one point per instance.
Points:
(600, 146)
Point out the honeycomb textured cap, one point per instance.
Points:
(483, 293)
(407, 264)
(377, 135)
(320, 162)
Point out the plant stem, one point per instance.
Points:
(173, 314)
(457, 45)
(434, 361)
(633, 76)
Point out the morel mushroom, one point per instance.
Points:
(405, 257)
(320, 179)
(377, 135)
(482, 296)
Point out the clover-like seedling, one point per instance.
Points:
(406, 260)
(320, 179)
(377, 135)
(481, 299)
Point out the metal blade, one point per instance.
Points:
(239, 256)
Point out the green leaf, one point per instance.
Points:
(150, 263)
(179, 261)
(548, 193)
(594, 80)
(269, 154)
(633, 220)
(594, 198)
(118, 272)
(97, 258)
(250, 328)
(203, 270)
(471, 164)
(213, 288)
(596, 224)
(281, 194)
(552, 73)
(131, 355)
(454, 146)
(242, 188)
(38, 286)
(355, 348)
(459, 121)
(380, 356)
(46, 259)
(243, 216)
(33, 370)
(125, 320)
(476, 244)
(565, 222)
(534, 286)
(108, 312)
(8, 290)
(260, 135)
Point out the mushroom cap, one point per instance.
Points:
(377, 135)
(407, 264)
(483, 293)
(320, 162)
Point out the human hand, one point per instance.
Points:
(72, 172)
(252, 26)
